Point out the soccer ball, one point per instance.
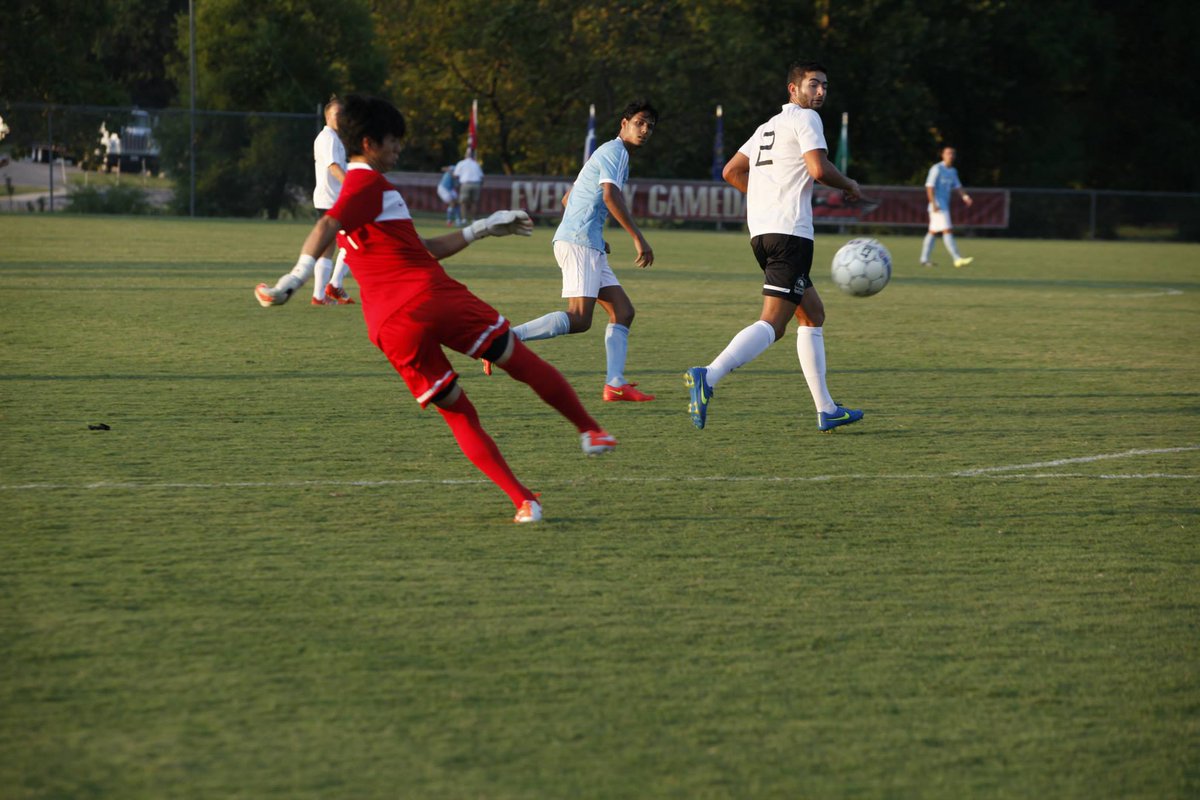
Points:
(862, 267)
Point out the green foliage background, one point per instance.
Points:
(1076, 94)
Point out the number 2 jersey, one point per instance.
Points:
(779, 194)
(388, 259)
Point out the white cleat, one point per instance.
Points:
(271, 296)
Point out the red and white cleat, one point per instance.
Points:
(597, 443)
(530, 510)
(337, 296)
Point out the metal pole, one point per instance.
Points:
(192, 114)
(1092, 217)
(50, 134)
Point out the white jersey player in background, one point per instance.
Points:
(941, 181)
(329, 163)
(776, 169)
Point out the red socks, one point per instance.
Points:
(481, 449)
(549, 384)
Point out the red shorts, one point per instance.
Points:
(413, 337)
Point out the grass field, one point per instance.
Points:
(275, 577)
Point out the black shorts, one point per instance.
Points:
(786, 262)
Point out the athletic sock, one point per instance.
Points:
(749, 344)
(948, 240)
(927, 248)
(810, 347)
(616, 347)
(321, 276)
(556, 323)
(481, 449)
(549, 384)
(300, 273)
(339, 269)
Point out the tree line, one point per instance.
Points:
(1072, 94)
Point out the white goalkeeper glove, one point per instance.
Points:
(502, 223)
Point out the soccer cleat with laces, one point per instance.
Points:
(530, 510)
(597, 443)
(337, 296)
(626, 392)
(271, 296)
(962, 262)
(696, 380)
(826, 422)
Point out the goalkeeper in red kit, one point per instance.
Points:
(413, 308)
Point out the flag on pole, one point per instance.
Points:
(589, 143)
(718, 164)
(843, 153)
(472, 139)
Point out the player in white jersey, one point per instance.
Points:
(776, 169)
(941, 181)
(581, 252)
(329, 164)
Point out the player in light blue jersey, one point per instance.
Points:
(941, 181)
(581, 252)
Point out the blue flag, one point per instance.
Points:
(718, 165)
(589, 144)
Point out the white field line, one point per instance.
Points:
(1015, 472)
(1156, 293)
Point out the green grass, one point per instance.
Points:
(276, 577)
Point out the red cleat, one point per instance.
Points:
(613, 394)
(337, 296)
(597, 443)
(487, 366)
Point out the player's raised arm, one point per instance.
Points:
(614, 198)
(502, 223)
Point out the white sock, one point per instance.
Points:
(339, 269)
(616, 346)
(948, 240)
(299, 274)
(556, 323)
(810, 347)
(749, 344)
(321, 276)
(927, 248)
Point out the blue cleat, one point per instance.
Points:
(696, 380)
(839, 416)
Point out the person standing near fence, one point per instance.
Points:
(939, 184)
(469, 175)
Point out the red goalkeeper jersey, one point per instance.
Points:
(383, 249)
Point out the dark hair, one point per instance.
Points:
(366, 117)
(334, 100)
(638, 106)
(799, 69)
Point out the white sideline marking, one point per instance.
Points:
(1083, 460)
(1016, 470)
(1158, 293)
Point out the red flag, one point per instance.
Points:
(472, 140)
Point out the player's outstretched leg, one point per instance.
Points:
(481, 450)
(287, 284)
(549, 384)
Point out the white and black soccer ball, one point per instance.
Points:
(862, 267)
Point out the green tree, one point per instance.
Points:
(267, 56)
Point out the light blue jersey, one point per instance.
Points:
(583, 222)
(944, 180)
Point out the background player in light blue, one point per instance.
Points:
(581, 252)
(941, 181)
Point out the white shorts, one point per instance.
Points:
(448, 196)
(939, 221)
(585, 271)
